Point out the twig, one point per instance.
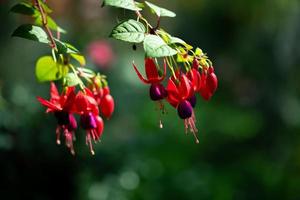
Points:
(45, 24)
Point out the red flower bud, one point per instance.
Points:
(212, 82)
(107, 106)
(209, 84)
(106, 90)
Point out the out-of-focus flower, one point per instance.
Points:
(101, 53)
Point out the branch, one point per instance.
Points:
(45, 24)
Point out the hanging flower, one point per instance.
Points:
(180, 92)
(62, 106)
(154, 77)
(90, 120)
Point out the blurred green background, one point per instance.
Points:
(249, 131)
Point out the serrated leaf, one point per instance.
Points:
(126, 4)
(129, 31)
(154, 46)
(24, 8)
(31, 32)
(80, 58)
(159, 11)
(71, 79)
(47, 69)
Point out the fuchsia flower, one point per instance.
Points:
(83, 103)
(209, 84)
(157, 91)
(90, 120)
(195, 79)
(151, 72)
(62, 107)
(104, 99)
(180, 93)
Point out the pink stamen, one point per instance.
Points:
(89, 142)
(57, 131)
(190, 124)
(69, 140)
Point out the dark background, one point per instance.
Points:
(249, 132)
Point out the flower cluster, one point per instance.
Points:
(88, 103)
(181, 88)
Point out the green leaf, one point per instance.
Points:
(139, 5)
(71, 48)
(65, 48)
(85, 72)
(71, 79)
(80, 58)
(61, 30)
(127, 4)
(50, 22)
(129, 31)
(160, 12)
(198, 52)
(47, 69)
(24, 8)
(176, 40)
(154, 46)
(45, 7)
(31, 32)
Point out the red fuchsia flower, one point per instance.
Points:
(62, 106)
(180, 91)
(103, 98)
(157, 91)
(90, 120)
(195, 79)
(97, 92)
(209, 84)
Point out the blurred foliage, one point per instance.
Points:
(250, 141)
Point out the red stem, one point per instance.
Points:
(45, 24)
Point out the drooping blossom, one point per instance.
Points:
(180, 96)
(62, 106)
(154, 77)
(87, 107)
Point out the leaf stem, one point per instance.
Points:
(45, 24)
